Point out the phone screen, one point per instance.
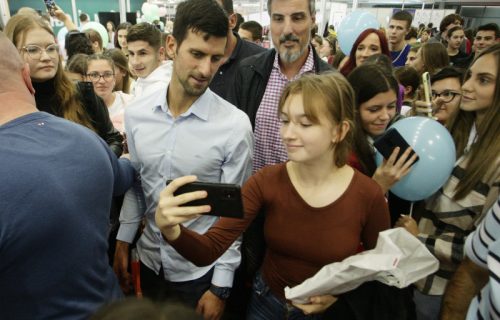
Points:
(389, 141)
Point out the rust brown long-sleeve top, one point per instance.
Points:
(300, 239)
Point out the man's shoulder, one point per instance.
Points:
(323, 66)
(37, 120)
(258, 59)
(226, 109)
(435, 39)
(43, 129)
(249, 49)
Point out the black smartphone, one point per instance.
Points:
(51, 6)
(223, 198)
(391, 139)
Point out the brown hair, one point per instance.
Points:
(333, 97)
(94, 36)
(484, 153)
(77, 64)
(434, 56)
(70, 106)
(121, 62)
(455, 28)
(367, 81)
(147, 32)
(449, 19)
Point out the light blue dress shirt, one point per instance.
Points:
(212, 140)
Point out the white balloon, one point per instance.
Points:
(99, 28)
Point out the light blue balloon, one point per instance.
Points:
(351, 27)
(436, 151)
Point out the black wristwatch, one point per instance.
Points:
(221, 292)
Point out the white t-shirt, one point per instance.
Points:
(117, 109)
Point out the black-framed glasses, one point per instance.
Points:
(446, 95)
(35, 52)
(96, 76)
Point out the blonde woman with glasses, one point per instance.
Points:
(55, 93)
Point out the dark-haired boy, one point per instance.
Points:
(486, 36)
(236, 50)
(146, 56)
(251, 31)
(399, 27)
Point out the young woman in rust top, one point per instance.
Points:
(317, 208)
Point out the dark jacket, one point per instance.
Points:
(95, 108)
(251, 81)
(224, 77)
(99, 115)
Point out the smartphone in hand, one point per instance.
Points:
(223, 198)
(426, 83)
(391, 139)
(51, 7)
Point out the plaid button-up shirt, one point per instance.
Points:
(269, 148)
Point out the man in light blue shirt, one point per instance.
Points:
(181, 130)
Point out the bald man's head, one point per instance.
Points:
(16, 90)
(11, 64)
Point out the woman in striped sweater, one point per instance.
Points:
(454, 211)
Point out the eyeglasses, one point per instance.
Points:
(96, 76)
(446, 95)
(35, 52)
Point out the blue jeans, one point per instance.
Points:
(264, 305)
(426, 306)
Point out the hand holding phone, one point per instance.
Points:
(399, 159)
(391, 139)
(426, 82)
(51, 7)
(224, 199)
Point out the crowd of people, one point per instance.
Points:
(96, 146)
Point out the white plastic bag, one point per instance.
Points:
(399, 259)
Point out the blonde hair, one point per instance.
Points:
(484, 153)
(70, 106)
(326, 95)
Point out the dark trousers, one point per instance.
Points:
(155, 287)
(264, 305)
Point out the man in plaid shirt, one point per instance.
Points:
(261, 78)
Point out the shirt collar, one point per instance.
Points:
(308, 66)
(160, 100)
(200, 107)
